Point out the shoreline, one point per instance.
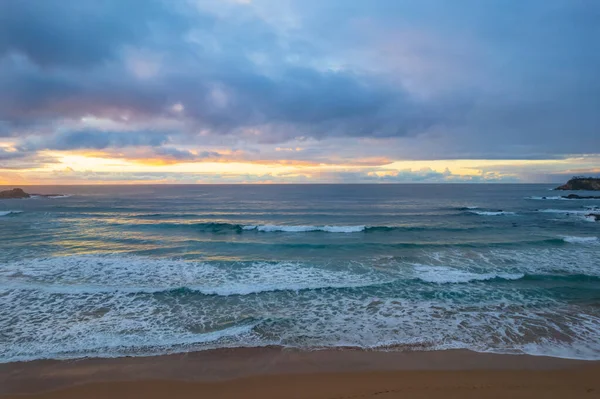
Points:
(229, 373)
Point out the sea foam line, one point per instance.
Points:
(114, 346)
(78, 275)
(549, 198)
(493, 213)
(448, 275)
(301, 229)
(88, 273)
(580, 240)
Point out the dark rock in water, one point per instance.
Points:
(17, 193)
(581, 183)
(596, 216)
(14, 193)
(575, 196)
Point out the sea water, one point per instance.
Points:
(140, 270)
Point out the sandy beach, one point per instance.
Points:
(278, 373)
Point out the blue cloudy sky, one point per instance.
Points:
(298, 91)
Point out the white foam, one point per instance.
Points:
(555, 197)
(121, 322)
(580, 240)
(105, 338)
(492, 213)
(6, 213)
(448, 275)
(44, 196)
(553, 260)
(302, 229)
(492, 324)
(577, 350)
(109, 324)
(80, 274)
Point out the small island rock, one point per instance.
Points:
(14, 193)
(575, 196)
(18, 193)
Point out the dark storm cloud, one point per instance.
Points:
(307, 102)
(8, 155)
(510, 77)
(298, 99)
(94, 139)
(33, 96)
(184, 155)
(82, 33)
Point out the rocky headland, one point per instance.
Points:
(581, 183)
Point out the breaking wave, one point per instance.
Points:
(580, 240)
(493, 213)
(7, 213)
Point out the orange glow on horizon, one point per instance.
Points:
(97, 167)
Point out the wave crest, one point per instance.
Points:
(89, 273)
(301, 229)
(492, 213)
(580, 240)
(7, 213)
(448, 275)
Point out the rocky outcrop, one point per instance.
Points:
(17, 193)
(581, 183)
(575, 196)
(14, 193)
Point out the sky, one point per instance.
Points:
(298, 91)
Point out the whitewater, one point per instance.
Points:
(140, 270)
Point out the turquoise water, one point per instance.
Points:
(137, 270)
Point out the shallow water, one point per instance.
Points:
(131, 270)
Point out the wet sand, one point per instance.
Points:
(277, 373)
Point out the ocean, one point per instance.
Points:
(108, 271)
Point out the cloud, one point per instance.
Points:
(344, 80)
(184, 154)
(7, 155)
(55, 33)
(16, 159)
(93, 139)
(171, 154)
(408, 175)
(223, 92)
(300, 102)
